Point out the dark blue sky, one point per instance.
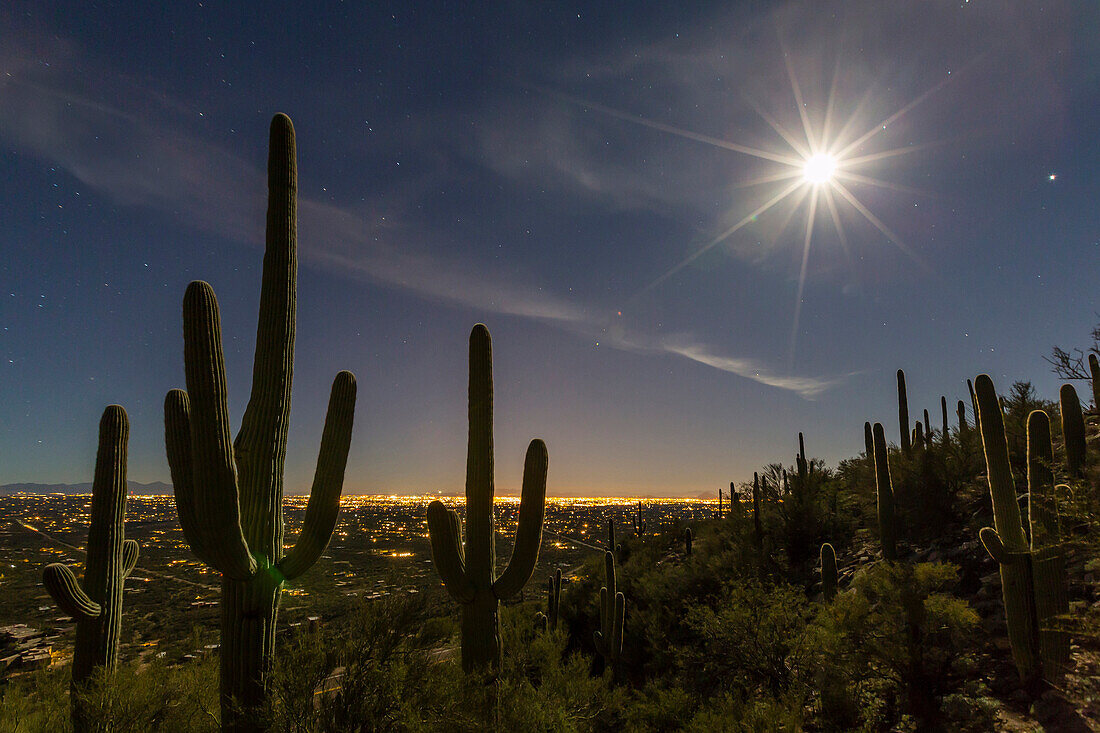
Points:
(563, 173)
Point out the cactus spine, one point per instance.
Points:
(553, 592)
(828, 572)
(903, 412)
(1073, 430)
(609, 639)
(96, 604)
(1007, 543)
(885, 490)
(229, 495)
(469, 572)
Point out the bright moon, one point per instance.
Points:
(819, 168)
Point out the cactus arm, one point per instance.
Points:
(130, 552)
(216, 498)
(447, 552)
(828, 572)
(598, 637)
(177, 440)
(66, 591)
(619, 615)
(532, 507)
(991, 541)
(456, 527)
(328, 481)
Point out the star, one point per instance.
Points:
(1051, 177)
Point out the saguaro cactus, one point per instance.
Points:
(553, 597)
(960, 410)
(1094, 370)
(639, 521)
(469, 572)
(946, 432)
(687, 541)
(974, 404)
(96, 604)
(735, 502)
(1073, 429)
(758, 526)
(719, 502)
(869, 442)
(903, 412)
(885, 490)
(612, 544)
(1048, 561)
(1007, 543)
(609, 639)
(229, 495)
(828, 572)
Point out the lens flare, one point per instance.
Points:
(819, 169)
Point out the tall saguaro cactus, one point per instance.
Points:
(229, 494)
(1094, 371)
(1007, 543)
(553, 600)
(885, 489)
(609, 638)
(96, 604)
(469, 572)
(1073, 429)
(903, 412)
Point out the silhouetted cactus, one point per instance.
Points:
(869, 442)
(469, 572)
(903, 412)
(974, 405)
(758, 526)
(612, 544)
(96, 604)
(800, 460)
(687, 541)
(1007, 544)
(918, 436)
(553, 597)
(960, 410)
(609, 638)
(735, 502)
(885, 490)
(1048, 562)
(828, 572)
(639, 522)
(229, 495)
(1094, 370)
(1073, 430)
(719, 502)
(946, 431)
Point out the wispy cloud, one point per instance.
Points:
(139, 151)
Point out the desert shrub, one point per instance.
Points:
(894, 635)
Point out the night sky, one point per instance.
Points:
(568, 174)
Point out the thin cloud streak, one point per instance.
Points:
(145, 161)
